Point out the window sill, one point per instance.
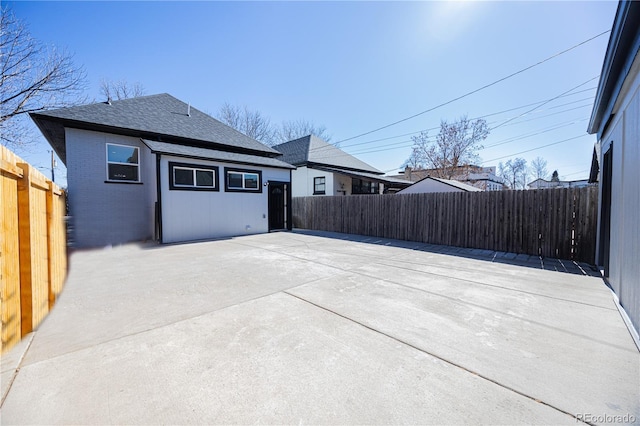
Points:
(124, 181)
(320, 193)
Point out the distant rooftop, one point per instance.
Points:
(310, 150)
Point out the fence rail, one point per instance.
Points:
(33, 257)
(558, 223)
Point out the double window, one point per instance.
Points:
(319, 185)
(194, 177)
(359, 186)
(123, 163)
(242, 180)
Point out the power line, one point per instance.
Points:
(533, 149)
(409, 143)
(544, 103)
(321, 148)
(476, 90)
(547, 130)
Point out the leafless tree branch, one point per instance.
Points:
(121, 89)
(456, 144)
(35, 77)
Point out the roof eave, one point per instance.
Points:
(622, 48)
(60, 146)
(374, 171)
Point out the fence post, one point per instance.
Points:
(50, 248)
(24, 227)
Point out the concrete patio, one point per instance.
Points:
(324, 329)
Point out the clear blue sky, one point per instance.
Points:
(353, 66)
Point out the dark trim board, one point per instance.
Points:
(158, 199)
(228, 170)
(214, 169)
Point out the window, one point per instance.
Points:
(240, 180)
(194, 177)
(359, 186)
(123, 163)
(319, 186)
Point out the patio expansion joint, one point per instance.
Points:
(463, 302)
(452, 363)
(160, 326)
(16, 371)
(354, 270)
(489, 285)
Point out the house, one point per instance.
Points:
(323, 169)
(616, 121)
(484, 178)
(547, 184)
(153, 167)
(432, 184)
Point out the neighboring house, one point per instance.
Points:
(323, 169)
(152, 167)
(547, 184)
(431, 184)
(484, 178)
(616, 120)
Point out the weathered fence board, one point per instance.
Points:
(33, 258)
(559, 223)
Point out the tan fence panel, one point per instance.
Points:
(56, 211)
(9, 249)
(33, 261)
(559, 223)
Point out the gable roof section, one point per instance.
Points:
(447, 182)
(155, 117)
(310, 150)
(457, 184)
(624, 45)
(212, 154)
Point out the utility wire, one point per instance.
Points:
(533, 149)
(330, 147)
(544, 103)
(476, 90)
(407, 144)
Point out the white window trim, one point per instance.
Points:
(324, 184)
(107, 162)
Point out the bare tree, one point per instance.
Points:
(294, 129)
(538, 168)
(34, 78)
(251, 123)
(456, 144)
(514, 172)
(418, 159)
(121, 89)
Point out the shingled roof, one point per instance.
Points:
(157, 117)
(311, 150)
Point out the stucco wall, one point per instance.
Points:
(624, 134)
(302, 181)
(195, 215)
(107, 213)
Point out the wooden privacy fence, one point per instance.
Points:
(33, 254)
(559, 223)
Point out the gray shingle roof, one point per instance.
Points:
(312, 149)
(154, 117)
(212, 154)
